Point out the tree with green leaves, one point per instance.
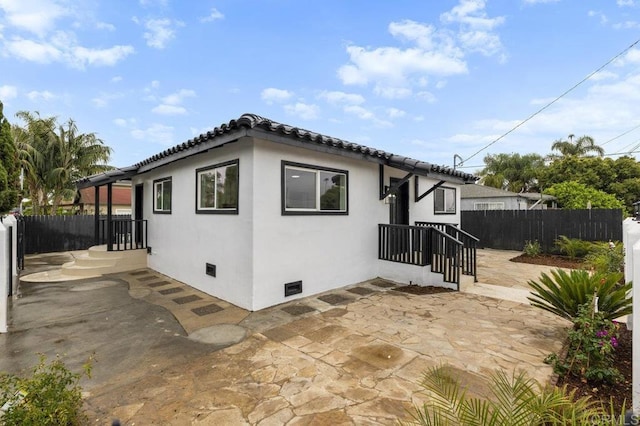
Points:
(54, 156)
(512, 172)
(9, 169)
(574, 195)
(581, 147)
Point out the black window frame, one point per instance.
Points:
(155, 182)
(317, 212)
(455, 201)
(199, 210)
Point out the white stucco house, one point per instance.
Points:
(480, 197)
(258, 213)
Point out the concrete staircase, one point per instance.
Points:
(97, 261)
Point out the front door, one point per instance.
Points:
(399, 205)
(138, 215)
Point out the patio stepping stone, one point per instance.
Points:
(158, 284)
(383, 283)
(206, 310)
(187, 299)
(296, 310)
(150, 277)
(362, 291)
(171, 290)
(335, 299)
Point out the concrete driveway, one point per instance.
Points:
(351, 356)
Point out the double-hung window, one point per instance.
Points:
(217, 188)
(313, 190)
(444, 200)
(162, 194)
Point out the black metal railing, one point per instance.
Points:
(404, 244)
(468, 258)
(421, 246)
(126, 234)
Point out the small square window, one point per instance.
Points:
(217, 188)
(162, 193)
(313, 190)
(444, 201)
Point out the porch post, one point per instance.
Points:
(96, 215)
(109, 222)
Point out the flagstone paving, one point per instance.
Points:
(350, 356)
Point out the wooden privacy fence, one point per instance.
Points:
(509, 229)
(46, 234)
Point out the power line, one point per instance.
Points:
(553, 101)
(621, 135)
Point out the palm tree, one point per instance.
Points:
(74, 155)
(52, 161)
(580, 148)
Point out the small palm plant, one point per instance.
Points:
(515, 400)
(563, 293)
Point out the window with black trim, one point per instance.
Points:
(313, 190)
(162, 194)
(444, 200)
(217, 188)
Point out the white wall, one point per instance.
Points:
(260, 249)
(183, 242)
(631, 241)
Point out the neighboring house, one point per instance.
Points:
(85, 199)
(258, 213)
(480, 197)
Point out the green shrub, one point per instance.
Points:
(50, 396)
(573, 247)
(532, 248)
(605, 257)
(592, 342)
(563, 293)
(515, 400)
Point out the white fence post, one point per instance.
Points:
(13, 223)
(4, 278)
(631, 240)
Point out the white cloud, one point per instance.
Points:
(116, 79)
(604, 75)
(105, 26)
(395, 113)
(626, 25)
(395, 71)
(179, 96)
(213, 16)
(64, 48)
(157, 133)
(271, 95)
(8, 92)
(104, 99)
(100, 57)
(303, 111)
(34, 51)
(165, 109)
(171, 104)
(598, 14)
(160, 32)
(35, 16)
(45, 95)
(365, 114)
(341, 98)
(121, 122)
(623, 3)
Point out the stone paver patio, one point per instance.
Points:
(352, 363)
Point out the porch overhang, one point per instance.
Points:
(100, 179)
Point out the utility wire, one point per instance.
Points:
(621, 135)
(553, 101)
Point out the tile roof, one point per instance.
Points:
(121, 195)
(253, 121)
(260, 126)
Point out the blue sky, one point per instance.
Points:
(425, 79)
